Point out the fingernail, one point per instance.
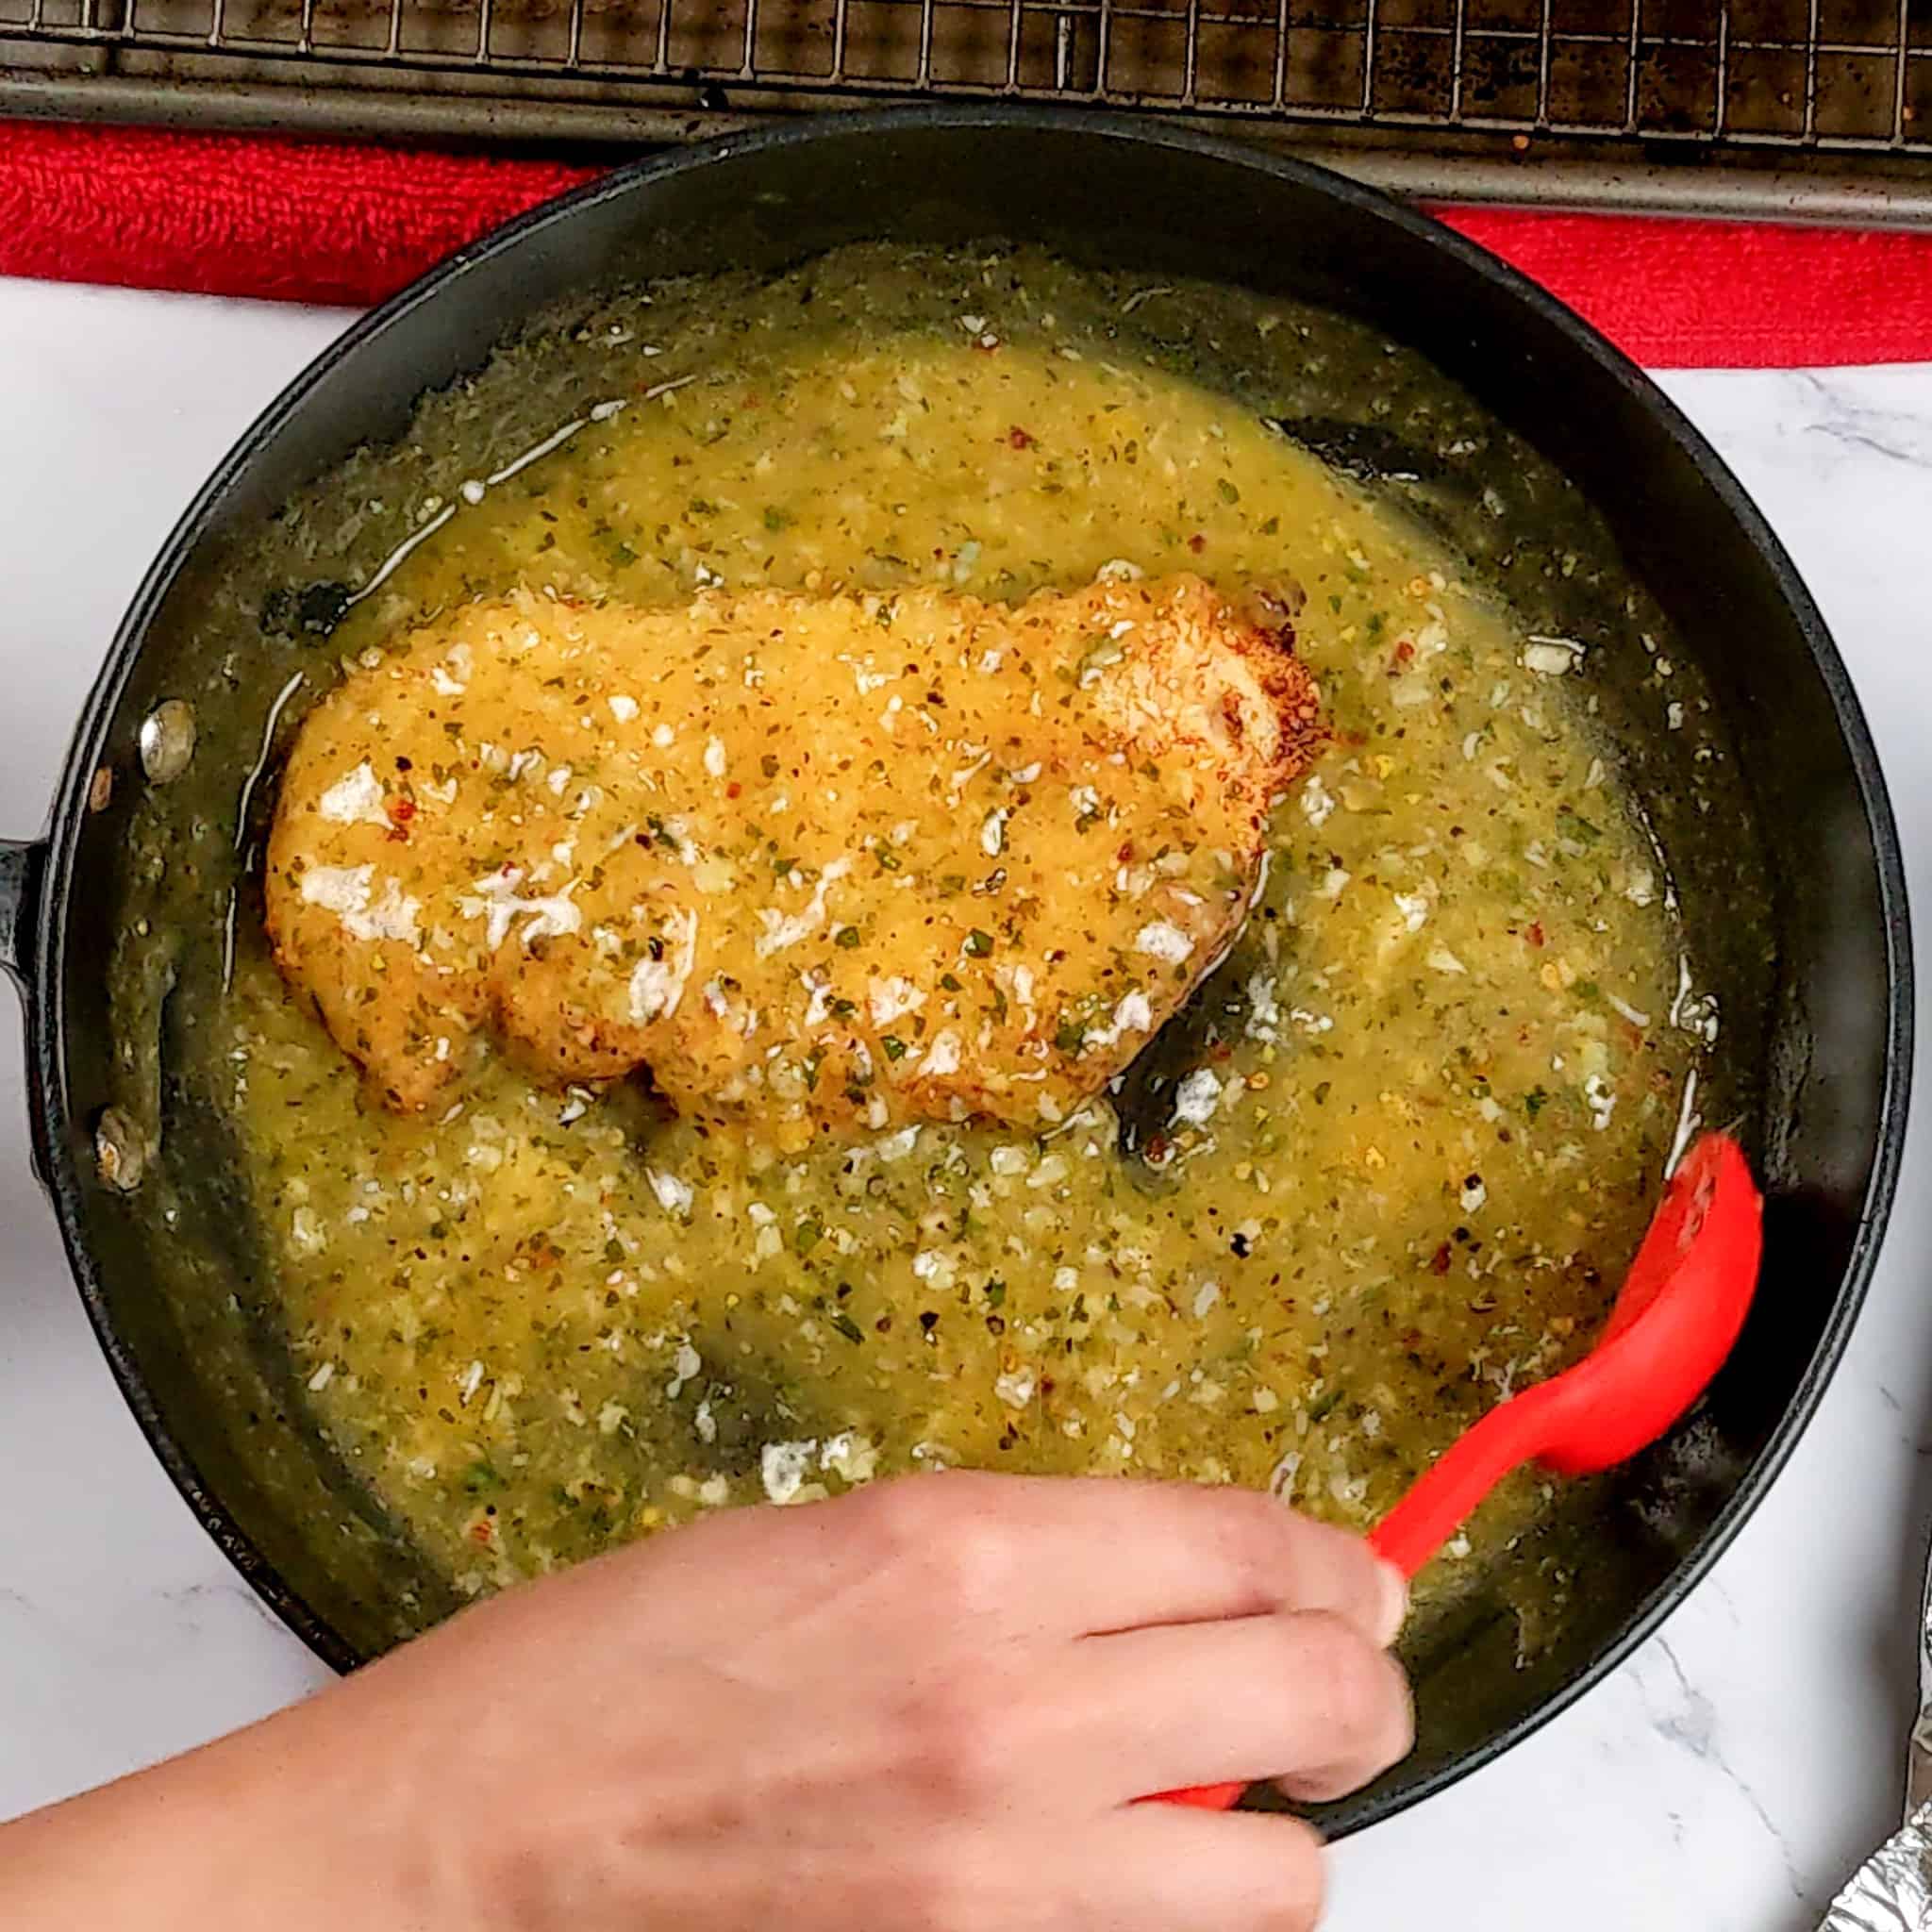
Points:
(1394, 1604)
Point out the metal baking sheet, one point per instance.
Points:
(1816, 109)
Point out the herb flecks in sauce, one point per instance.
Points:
(1417, 1149)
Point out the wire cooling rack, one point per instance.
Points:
(1818, 108)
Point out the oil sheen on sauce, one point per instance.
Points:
(1400, 1177)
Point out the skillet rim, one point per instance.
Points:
(56, 1135)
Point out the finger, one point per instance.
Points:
(1155, 1868)
(1301, 1696)
(1082, 1555)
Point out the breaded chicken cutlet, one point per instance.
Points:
(819, 863)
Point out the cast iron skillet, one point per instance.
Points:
(1782, 844)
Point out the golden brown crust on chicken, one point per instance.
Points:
(819, 863)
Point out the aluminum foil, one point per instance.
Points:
(1893, 1891)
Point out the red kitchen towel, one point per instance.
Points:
(309, 222)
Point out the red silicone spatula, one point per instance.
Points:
(1674, 1323)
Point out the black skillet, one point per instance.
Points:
(1780, 840)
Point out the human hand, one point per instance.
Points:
(927, 1707)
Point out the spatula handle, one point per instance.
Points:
(1226, 1797)
(1425, 1518)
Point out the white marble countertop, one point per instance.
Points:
(1727, 1778)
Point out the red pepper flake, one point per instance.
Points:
(1535, 934)
(1125, 854)
(402, 811)
(1404, 652)
(480, 1531)
(1197, 542)
(1439, 1262)
(1019, 438)
(732, 790)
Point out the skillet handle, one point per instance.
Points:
(22, 866)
